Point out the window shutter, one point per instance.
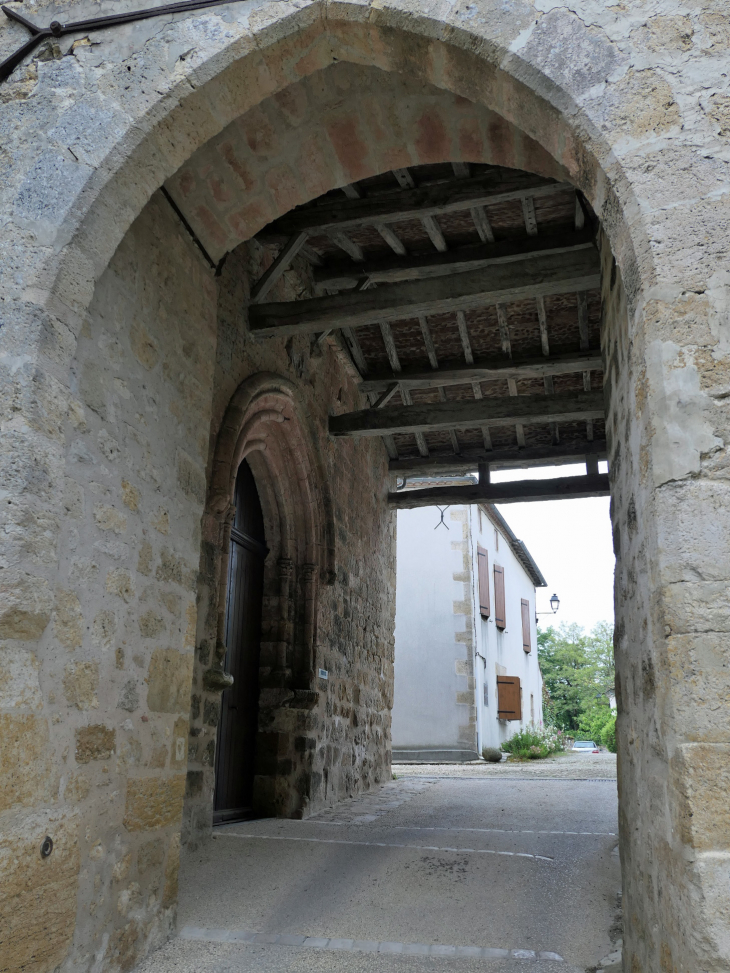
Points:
(526, 645)
(483, 566)
(499, 612)
(509, 704)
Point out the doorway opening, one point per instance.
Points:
(236, 745)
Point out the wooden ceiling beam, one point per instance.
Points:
(487, 370)
(502, 283)
(500, 459)
(415, 203)
(517, 491)
(469, 414)
(342, 274)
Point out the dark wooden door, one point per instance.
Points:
(236, 750)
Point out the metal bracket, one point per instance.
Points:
(57, 29)
(442, 511)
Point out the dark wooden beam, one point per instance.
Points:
(518, 491)
(484, 370)
(468, 460)
(497, 186)
(344, 275)
(503, 283)
(469, 414)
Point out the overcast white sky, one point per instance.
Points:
(570, 541)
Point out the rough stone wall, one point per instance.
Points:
(319, 740)
(97, 661)
(97, 657)
(633, 101)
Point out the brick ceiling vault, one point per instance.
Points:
(468, 297)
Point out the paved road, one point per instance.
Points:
(570, 766)
(493, 875)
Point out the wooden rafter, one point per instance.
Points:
(500, 284)
(341, 274)
(486, 370)
(416, 203)
(517, 491)
(501, 459)
(460, 414)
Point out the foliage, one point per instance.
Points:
(534, 742)
(492, 754)
(592, 722)
(608, 733)
(578, 671)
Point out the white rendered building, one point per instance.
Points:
(466, 668)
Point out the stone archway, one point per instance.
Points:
(664, 369)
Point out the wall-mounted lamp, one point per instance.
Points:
(554, 604)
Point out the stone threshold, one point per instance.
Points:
(202, 934)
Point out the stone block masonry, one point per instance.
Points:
(97, 668)
(126, 372)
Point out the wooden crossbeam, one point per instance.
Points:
(517, 491)
(341, 274)
(289, 251)
(470, 414)
(503, 283)
(487, 370)
(501, 459)
(497, 186)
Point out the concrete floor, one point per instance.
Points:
(521, 867)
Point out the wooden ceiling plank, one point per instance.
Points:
(411, 203)
(482, 224)
(504, 330)
(404, 178)
(487, 369)
(464, 336)
(391, 238)
(469, 414)
(528, 214)
(500, 284)
(542, 321)
(580, 216)
(343, 241)
(340, 274)
(355, 350)
(428, 342)
(583, 319)
(390, 349)
(312, 256)
(434, 232)
(516, 491)
(502, 458)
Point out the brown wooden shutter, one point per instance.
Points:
(509, 701)
(526, 644)
(483, 566)
(499, 612)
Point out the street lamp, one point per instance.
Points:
(554, 604)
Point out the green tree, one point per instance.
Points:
(578, 670)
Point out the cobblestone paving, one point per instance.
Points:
(597, 766)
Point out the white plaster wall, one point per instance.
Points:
(495, 648)
(432, 671)
(427, 655)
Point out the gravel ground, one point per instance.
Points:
(564, 766)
